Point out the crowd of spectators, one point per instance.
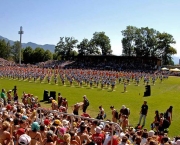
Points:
(113, 65)
(4, 62)
(29, 124)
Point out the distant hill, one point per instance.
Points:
(49, 47)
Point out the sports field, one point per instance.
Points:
(162, 96)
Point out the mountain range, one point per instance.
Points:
(51, 47)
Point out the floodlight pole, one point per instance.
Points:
(20, 33)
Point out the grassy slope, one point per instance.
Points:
(163, 95)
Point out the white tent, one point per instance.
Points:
(164, 68)
(175, 70)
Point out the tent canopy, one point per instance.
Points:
(175, 70)
(164, 68)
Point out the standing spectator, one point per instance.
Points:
(16, 97)
(14, 90)
(98, 137)
(143, 113)
(3, 96)
(169, 114)
(65, 104)
(114, 114)
(101, 114)
(156, 121)
(59, 99)
(85, 103)
(125, 122)
(125, 86)
(9, 97)
(76, 109)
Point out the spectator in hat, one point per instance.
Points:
(24, 140)
(62, 135)
(34, 134)
(49, 139)
(98, 137)
(57, 122)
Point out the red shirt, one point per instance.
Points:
(98, 138)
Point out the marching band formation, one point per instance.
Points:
(91, 78)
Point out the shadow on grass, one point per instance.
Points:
(109, 91)
(47, 102)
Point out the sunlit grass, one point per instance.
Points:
(162, 96)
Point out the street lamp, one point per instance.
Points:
(20, 33)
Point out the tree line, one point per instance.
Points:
(28, 55)
(146, 42)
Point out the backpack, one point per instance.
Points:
(116, 114)
(166, 114)
(126, 111)
(86, 102)
(166, 123)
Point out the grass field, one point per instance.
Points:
(162, 96)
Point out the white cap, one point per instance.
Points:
(122, 134)
(98, 129)
(101, 126)
(123, 106)
(151, 133)
(65, 122)
(24, 139)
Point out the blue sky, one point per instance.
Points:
(44, 21)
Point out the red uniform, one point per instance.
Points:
(98, 138)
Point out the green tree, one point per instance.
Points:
(56, 56)
(65, 46)
(28, 55)
(47, 55)
(38, 55)
(83, 47)
(8, 51)
(15, 50)
(128, 41)
(5, 49)
(148, 42)
(103, 42)
(164, 48)
(87, 47)
(92, 48)
(145, 42)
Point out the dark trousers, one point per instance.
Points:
(84, 109)
(75, 112)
